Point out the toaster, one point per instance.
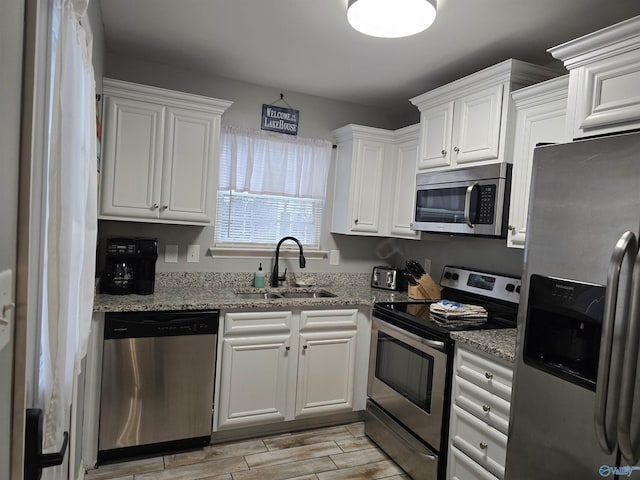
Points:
(389, 278)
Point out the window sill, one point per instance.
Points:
(244, 252)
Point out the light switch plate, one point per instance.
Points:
(193, 253)
(334, 257)
(6, 307)
(171, 254)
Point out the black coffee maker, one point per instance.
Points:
(130, 266)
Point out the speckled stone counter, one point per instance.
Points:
(203, 291)
(500, 343)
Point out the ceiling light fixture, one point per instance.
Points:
(391, 18)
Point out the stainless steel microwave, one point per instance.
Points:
(468, 201)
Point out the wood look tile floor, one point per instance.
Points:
(331, 453)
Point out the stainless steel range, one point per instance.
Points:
(410, 367)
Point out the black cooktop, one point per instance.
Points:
(502, 310)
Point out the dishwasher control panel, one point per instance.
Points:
(160, 324)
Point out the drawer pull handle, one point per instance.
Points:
(483, 445)
(486, 408)
(488, 376)
(287, 348)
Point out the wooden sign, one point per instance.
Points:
(281, 120)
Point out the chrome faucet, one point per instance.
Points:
(275, 278)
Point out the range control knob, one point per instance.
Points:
(455, 276)
(510, 287)
(447, 274)
(518, 289)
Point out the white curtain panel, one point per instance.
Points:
(259, 163)
(70, 243)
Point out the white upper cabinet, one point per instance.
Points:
(160, 152)
(375, 181)
(540, 118)
(604, 74)
(466, 122)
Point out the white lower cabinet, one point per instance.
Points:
(284, 365)
(479, 416)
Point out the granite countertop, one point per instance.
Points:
(207, 291)
(192, 292)
(500, 343)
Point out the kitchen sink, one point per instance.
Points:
(319, 294)
(258, 295)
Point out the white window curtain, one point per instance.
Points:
(270, 186)
(71, 213)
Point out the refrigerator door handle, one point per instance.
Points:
(629, 450)
(626, 247)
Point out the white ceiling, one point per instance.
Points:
(307, 46)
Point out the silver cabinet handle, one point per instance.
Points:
(467, 204)
(287, 348)
(488, 376)
(456, 149)
(304, 347)
(483, 445)
(630, 451)
(444, 153)
(627, 243)
(155, 206)
(486, 408)
(164, 207)
(355, 221)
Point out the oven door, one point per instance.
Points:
(407, 377)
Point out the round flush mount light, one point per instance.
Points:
(391, 18)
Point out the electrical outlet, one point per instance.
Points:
(427, 265)
(171, 254)
(193, 253)
(334, 257)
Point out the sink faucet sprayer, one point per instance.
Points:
(274, 276)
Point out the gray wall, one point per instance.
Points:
(318, 117)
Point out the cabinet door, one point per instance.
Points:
(462, 467)
(325, 372)
(539, 123)
(606, 95)
(132, 163)
(403, 200)
(367, 186)
(188, 174)
(436, 124)
(476, 127)
(254, 380)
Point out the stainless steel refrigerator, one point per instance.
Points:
(572, 412)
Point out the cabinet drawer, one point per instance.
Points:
(464, 468)
(328, 319)
(241, 323)
(482, 404)
(485, 372)
(482, 443)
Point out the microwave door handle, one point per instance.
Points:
(630, 451)
(467, 204)
(626, 247)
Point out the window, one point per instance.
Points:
(270, 187)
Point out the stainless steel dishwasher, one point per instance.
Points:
(157, 382)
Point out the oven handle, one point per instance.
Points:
(467, 204)
(438, 345)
